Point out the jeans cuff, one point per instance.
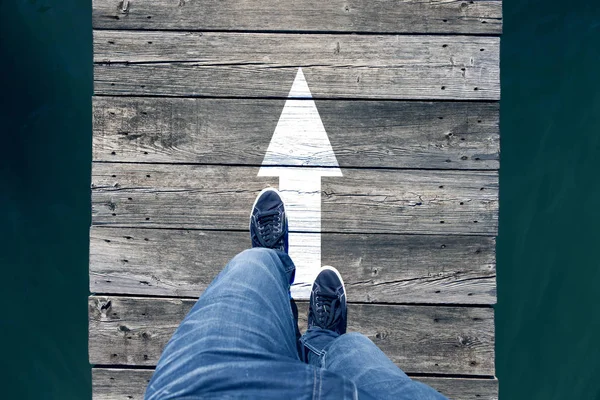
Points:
(317, 341)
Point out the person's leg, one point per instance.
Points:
(352, 355)
(357, 358)
(239, 340)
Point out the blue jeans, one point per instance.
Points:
(241, 340)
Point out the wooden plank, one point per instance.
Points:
(118, 383)
(376, 268)
(264, 65)
(281, 49)
(420, 339)
(362, 201)
(462, 388)
(406, 16)
(388, 134)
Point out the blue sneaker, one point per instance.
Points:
(328, 302)
(268, 221)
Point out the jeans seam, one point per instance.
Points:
(287, 269)
(320, 382)
(312, 348)
(314, 383)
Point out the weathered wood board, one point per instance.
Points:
(376, 268)
(255, 65)
(406, 16)
(278, 49)
(453, 340)
(381, 134)
(118, 383)
(362, 201)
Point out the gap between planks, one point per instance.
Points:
(349, 99)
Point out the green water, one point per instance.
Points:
(547, 324)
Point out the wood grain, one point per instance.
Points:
(264, 65)
(383, 134)
(420, 339)
(118, 384)
(453, 16)
(281, 49)
(362, 201)
(376, 268)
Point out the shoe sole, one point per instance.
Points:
(329, 267)
(269, 189)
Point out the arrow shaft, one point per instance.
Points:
(301, 192)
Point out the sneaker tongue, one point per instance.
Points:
(327, 310)
(268, 235)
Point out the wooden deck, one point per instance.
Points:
(187, 97)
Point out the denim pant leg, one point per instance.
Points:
(356, 357)
(239, 340)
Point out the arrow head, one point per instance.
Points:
(300, 138)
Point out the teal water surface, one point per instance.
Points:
(547, 320)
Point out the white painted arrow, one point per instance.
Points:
(300, 154)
